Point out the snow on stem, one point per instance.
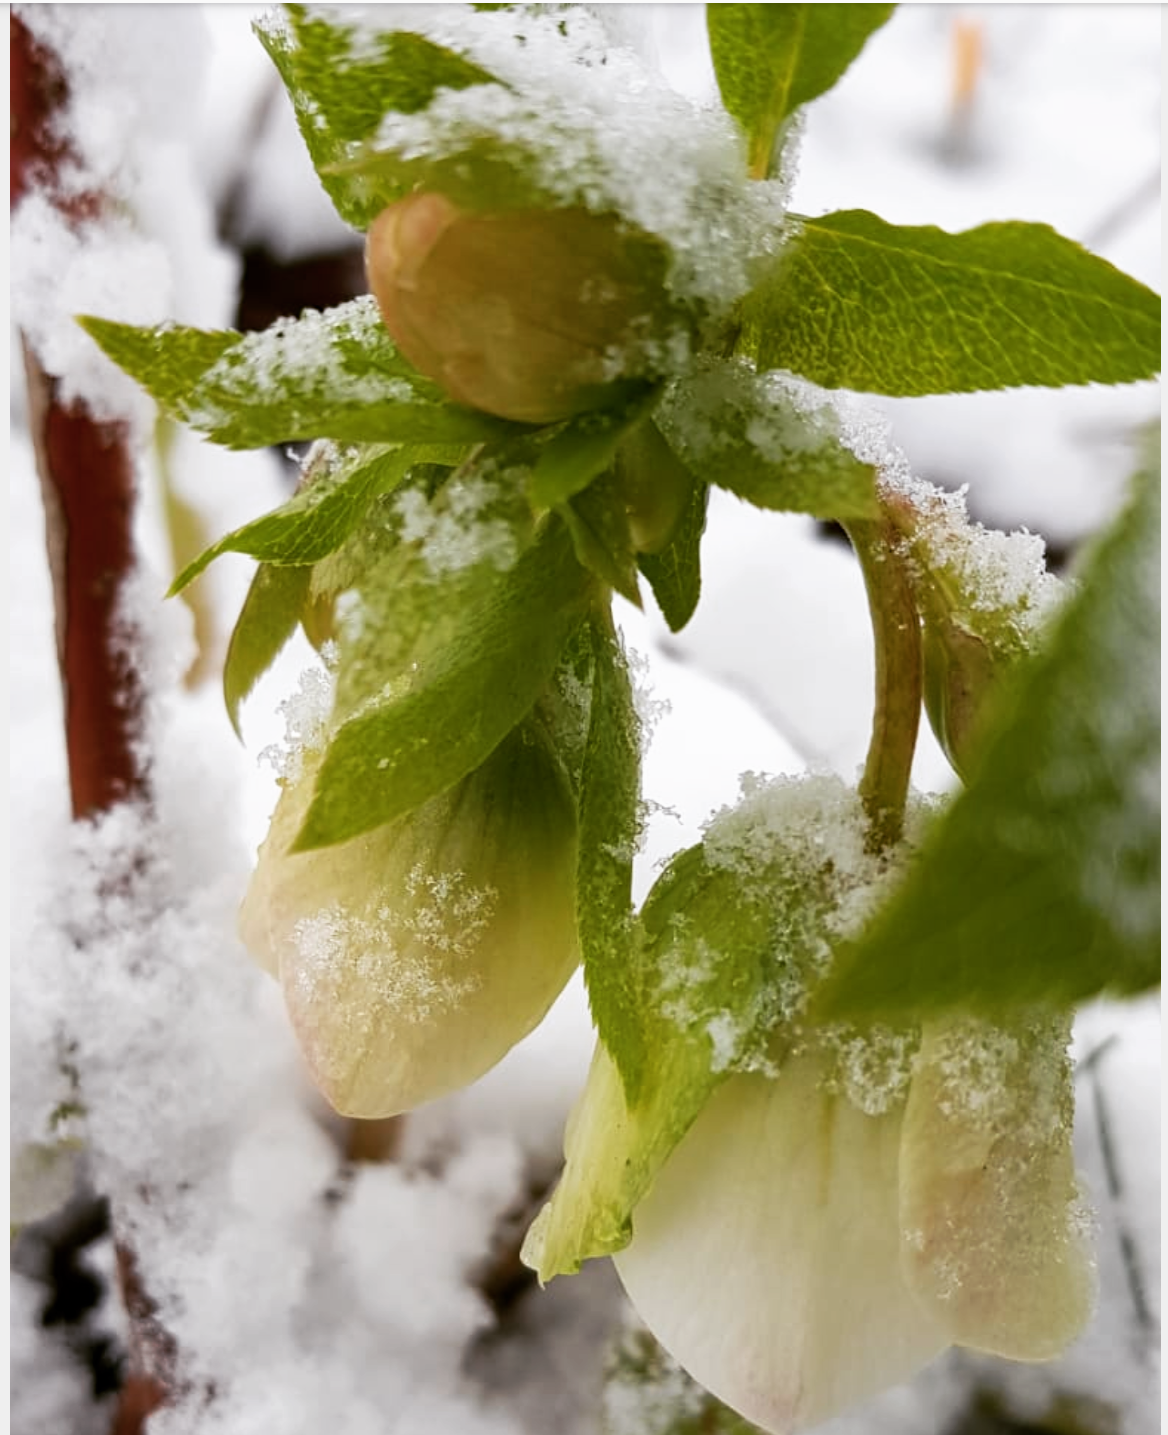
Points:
(87, 480)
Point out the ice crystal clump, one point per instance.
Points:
(459, 533)
(306, 714)
(720, 404)
(321, 355)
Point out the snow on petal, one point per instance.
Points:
(996, 1235)
(415, 956)
(766, 1258)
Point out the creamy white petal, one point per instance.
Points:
(415, 956)
(996, 1236)
(766, 1257)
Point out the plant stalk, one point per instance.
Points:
(896, 632)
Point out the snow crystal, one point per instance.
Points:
(312, 354)
(306, 715)
(455, 531)
(650, 709)
(872, 1068)
(994, 572)
(981, 1067)
(720, 403)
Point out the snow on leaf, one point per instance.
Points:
(766, 439)
(333, 375)
(322, 514)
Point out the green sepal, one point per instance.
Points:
(441, 718)
(752, 435)
(570, 459)
(610, 791)
(335, 374)
(675, 573)
(268, 618)
(343, 84)
(856, 303)
(770, 59)
(320, 516)
(1042, 881)
(666, 503)
(720, 950)
(599, 526)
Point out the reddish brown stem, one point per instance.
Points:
(87, 484)
(86, 472)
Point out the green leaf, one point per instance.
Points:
(666, 505)
(675, 573)
(757, 436)
(584, 447)
(608, 831)
(322, 513)
(1042, 881)
(333, 375)
(344, 81)
(770, 59)
(266, 621)
(599, 526)
(454, 706)
(856, 303)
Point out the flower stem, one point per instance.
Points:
(899, 678)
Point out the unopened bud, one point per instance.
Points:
(531, 315)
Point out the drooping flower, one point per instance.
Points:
(804, 1212)
(414, 956)
(797, 1253)
(532, 315)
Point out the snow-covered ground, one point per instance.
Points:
(312, 1298)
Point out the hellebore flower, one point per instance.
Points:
(414, 956)
(531, 315)
(797, 1254)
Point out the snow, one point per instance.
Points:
(313, 1293)
(599, 128)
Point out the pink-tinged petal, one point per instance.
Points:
(996, 1238)
(766, 1257)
